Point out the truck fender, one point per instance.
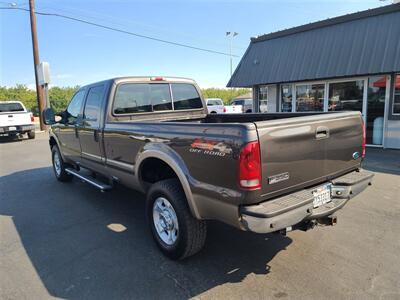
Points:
(172, 159)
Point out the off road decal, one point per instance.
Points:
(210, 147)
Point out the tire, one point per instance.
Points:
(59, 165)
(31, 134)
(188, 233)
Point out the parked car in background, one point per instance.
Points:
(247, 104)
(215, 105)
(256, 172)
(15, 119)
(233, 109)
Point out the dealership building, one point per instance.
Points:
(351, 62)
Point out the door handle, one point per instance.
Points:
(76, 131)
(96, 135)
(322, 132)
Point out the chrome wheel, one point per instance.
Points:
(165, 221)
(57, 163)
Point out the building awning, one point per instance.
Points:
(359, 44)
(381, 83)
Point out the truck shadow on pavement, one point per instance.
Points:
(12, 139)
(87, 244)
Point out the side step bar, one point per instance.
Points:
(94, 182)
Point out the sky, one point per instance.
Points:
(79, 54)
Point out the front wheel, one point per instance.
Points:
(176, 232)
(59, 165)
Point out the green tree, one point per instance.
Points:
(225, 94)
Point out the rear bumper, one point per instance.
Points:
(16, 129)
(294, 208)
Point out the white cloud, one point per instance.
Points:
(62, 76)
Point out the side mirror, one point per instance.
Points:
(48, 116)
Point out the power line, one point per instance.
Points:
(121, 31)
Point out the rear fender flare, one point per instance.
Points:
(172, 159)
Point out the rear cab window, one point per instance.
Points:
(11, 107)
(212, 102)
(133, 98)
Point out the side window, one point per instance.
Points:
(74, 107)
(93, 106)
(185, 96)
(132, 98)
(160, 97)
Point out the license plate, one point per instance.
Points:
(12, 128)
(322, 195)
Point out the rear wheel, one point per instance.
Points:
(31, 134)
(59, 165)
(176, 232)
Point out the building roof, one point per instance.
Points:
(367, 42)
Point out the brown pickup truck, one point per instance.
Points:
(258, 172)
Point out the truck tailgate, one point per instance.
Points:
(302, 151)
(15, 118)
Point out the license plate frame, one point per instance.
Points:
(12, 128)
(322, 195)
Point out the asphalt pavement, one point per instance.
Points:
(68, 240)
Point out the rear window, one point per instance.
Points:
(149, 97)
(238, 102)
(9, 107)
(185, 96)
(214, 102)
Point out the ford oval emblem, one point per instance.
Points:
(356, 155)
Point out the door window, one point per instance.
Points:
(185, 96)
(375, 109)
(263, 98)
(75, 106)
(286, 98)
(93, 105)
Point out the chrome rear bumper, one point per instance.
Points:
(294, 208)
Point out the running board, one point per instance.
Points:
(94, 182)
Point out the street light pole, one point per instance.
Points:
(39, 90)
(231, 35)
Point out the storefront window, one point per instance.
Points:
(346, 95)
(263, 98)
(310, 97)
(375, 109)
(396, 98)
(286, 98)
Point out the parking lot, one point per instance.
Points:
(68, 240)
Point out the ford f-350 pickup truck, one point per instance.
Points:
(16, 119)
(257, 172)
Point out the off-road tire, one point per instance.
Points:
(192, 232)
(63, 175)
(31, 134)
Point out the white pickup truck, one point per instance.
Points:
(15, 119)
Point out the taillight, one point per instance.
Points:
(250, 166)
(364, 137)
(32, 118)
(224, 109)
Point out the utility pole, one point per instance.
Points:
(39, 90)
(231, 35)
